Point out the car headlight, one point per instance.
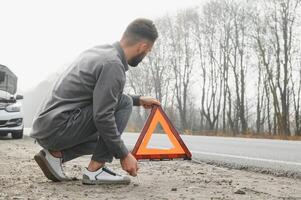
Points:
(16, 107)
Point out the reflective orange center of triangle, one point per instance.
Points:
(158, 118)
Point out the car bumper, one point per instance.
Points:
(11, 129)
(11, 121)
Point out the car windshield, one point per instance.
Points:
(8, 80)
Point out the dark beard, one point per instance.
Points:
(136, 60)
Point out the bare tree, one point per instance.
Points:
(206, 35)
(280, 21)
(182, 60)
(159, 65)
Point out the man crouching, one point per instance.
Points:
(86, 111)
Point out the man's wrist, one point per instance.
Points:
(126, 155)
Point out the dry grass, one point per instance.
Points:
(248, 135)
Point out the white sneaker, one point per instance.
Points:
(51, 166)
(104, 176)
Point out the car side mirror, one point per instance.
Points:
(19, 97)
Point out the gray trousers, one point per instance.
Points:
(80, 136)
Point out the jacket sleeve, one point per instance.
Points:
(136, 99)
(108, 87)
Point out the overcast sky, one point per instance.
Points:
(39, 37)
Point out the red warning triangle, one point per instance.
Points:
(179, 149)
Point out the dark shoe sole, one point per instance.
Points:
(47, 170)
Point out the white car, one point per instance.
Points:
(11, 117)
(11, 114)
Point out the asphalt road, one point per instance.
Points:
(277, 157)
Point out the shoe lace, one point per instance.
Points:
(61, 166)
(108, 170)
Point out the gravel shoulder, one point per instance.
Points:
(20, 178)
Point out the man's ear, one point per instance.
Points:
(140, 47)
(146, 46)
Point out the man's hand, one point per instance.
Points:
(147, 102)
(129, 164)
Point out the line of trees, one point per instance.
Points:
(227, 66)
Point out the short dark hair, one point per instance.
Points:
(141, 29)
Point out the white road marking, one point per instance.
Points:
(248, 158)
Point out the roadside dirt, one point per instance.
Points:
(20, 178)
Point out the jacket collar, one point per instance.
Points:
(121, 54)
